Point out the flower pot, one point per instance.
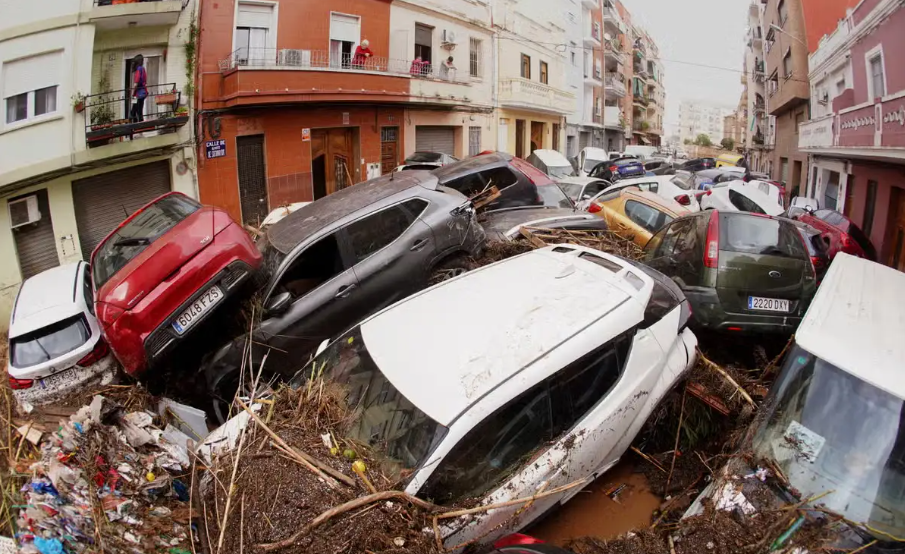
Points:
(166, 98)
(80, 107)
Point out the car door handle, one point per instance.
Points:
(419, 244)
(344, 290)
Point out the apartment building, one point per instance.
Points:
(294, 116)
(732, 130)
(856, 136)
(759, 126)
(76, 152)
(648, 93)
(699, 117)
(616, 73)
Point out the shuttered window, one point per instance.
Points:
(35, 243)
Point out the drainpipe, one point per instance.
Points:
(199, 86)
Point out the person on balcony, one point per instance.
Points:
(417, 67)
(362, 54)
(139, 89)
(448, 69)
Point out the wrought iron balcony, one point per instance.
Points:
(114, 114)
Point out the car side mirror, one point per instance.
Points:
(278, 304)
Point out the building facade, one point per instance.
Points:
(76, 153)
(856, 137)
(698, 117)
(759, 126)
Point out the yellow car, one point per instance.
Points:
(728, 159)
(635, 214)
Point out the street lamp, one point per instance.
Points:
(778, 29)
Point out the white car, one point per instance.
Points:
(546, 368)
(770, 190)
(55, 343)
(551, 162)
(582, 188)
(591, 157)
(667, 186)
(739, 196)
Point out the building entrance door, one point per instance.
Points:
(331, 160)
(896, 234)
(520, 138)
(537, 135)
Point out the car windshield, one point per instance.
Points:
(380, 416)
(559, 171)
(572, 190)
(425, 157)
(830, 431)
(49, 343)
(132, 238)
(554, 197)
(590, 163)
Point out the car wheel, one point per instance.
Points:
(448, 269)
(225, 391)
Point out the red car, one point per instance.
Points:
(840, 233)
(162, 272)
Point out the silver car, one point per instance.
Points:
(348, 255)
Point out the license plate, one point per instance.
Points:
(59, 380)
(196, 309)
(768, 304)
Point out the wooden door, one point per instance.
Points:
(520, 138)
(895, 237)
(331, 160)
(389, 147)
(537, 135)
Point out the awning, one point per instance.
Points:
(644, 139)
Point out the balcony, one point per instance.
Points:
(756, 37)
(120, 14)
(590, 4)
(640, 126)
(108, 117)
(612, 117)
(639, 49)
(516, 92)
(269, 75)
(593, 77)
(615, 85)
(611, 19)
(613, 51)
(640, 100)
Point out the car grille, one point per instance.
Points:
(234, 274)
(158, 340)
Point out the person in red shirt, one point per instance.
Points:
(139, 89)
(362, 54)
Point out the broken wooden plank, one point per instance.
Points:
(701, 393)
(535, 242)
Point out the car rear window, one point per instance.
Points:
(553, 196)
(535, 175)
(49, 343)
(132, 238)
(744, 203)
(681, 182)
(751, 234)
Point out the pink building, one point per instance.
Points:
(856, 135)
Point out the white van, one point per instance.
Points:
(589, 158)
(551, 162)
(641, 152)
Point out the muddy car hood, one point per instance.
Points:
(503, 224)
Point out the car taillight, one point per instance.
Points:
(684, 314)
(107, 314)
(817, 262)
(849, 246)
(683, 199)
(594, 208)
(20, 384)
(712, 244)
(97, 353)
(613, 168)
(516, 539)
(702, 193)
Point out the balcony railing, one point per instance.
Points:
(321, 60)
(640, 126)
(114, 114)
(118, 2)
(516, 91)
(615, 83)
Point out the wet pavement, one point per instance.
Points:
(592, 513)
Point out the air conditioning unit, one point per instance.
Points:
(448, 38)
(24, 211)
(294, 58)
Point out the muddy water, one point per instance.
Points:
(592, 513)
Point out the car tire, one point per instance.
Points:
(448, 269)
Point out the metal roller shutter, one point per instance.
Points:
(35, 243)
(102, 202)
(435, 139)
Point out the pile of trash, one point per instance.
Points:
(107, 480)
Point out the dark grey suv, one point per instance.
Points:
(344, 257)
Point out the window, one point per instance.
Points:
(474, 141)
(574, 62)
(869, 207)
(87, 291)
(316, 265)
(783, 11)
(131, 239)
(784, 169)
(877, 78)
(787, 64)
(424, 39)
(29, 87)
(645, 216)
(526, 66)
(475, 55)
(372, 233)
(49, 342)
(253, 35)
(744, 203)
(750, 234)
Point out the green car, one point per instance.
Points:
(741, 272)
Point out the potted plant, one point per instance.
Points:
(182, 111)
(78, 102)
(102, 111)
(166, 97)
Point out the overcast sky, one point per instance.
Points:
(705, 32)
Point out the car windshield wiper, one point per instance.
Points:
(135, 241)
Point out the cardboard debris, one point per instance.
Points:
(189, 420)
